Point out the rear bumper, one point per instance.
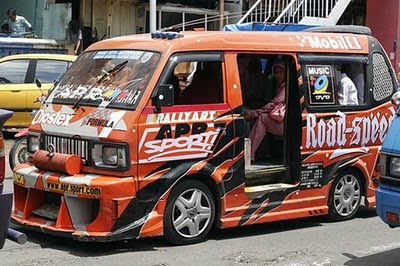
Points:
(387, 201)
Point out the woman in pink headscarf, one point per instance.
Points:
(270, 117)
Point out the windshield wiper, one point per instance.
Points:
(112, 71)
(109, 73)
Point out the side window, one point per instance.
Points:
(197, 82)
(257, 80)
(13, 71)
(336, 84)
(48, 71)
(382, 84)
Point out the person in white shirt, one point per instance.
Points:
(347, 94)
(17, 24)
(357, 76)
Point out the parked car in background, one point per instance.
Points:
(18, 90)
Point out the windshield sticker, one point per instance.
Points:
(320, 84)
(107, 79)
(129, 97)
(146, 57)
(111, 94)
(78, 91)
(101, 93)
(135, 55)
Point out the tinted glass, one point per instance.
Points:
(115, 79)
(382, 81)
(13, 71)
(48, 71)
(197, 82)
(336, 84)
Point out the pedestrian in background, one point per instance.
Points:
(76, 36)
(17, 24)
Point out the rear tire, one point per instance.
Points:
(18, 153)
(345, 196)
(189, 214)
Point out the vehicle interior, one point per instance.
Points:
(277, 158)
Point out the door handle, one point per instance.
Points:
(15, 91)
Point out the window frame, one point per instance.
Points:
(391, 73)
(27, 70)
(334, 59)
(180, 57)
(36, 63)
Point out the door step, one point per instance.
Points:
(257, 191)
(260, 171)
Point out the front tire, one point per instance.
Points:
(18, 153)
(189, 214)
(345, 196)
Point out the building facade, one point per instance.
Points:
(100, 19)
(383, 19)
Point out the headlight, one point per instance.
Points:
(33, 142)
(110, 156)
(394, 167)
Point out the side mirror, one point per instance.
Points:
(396, 99)
(164, 97)
(38, 83)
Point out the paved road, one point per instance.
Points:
(364, 240)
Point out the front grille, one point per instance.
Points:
(63, 145)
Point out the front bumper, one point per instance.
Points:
(387, 202)
(85, 207)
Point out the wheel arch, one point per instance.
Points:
(333, 214)
(360, 170)
(213, 186)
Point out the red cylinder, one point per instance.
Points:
(57, 162)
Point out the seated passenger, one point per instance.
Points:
(347, 94)
(270, 117)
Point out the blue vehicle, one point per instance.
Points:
(388, 194)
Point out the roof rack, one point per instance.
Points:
(342, 29)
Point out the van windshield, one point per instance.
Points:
(114, 78)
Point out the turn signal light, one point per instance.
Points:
(392, 217)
